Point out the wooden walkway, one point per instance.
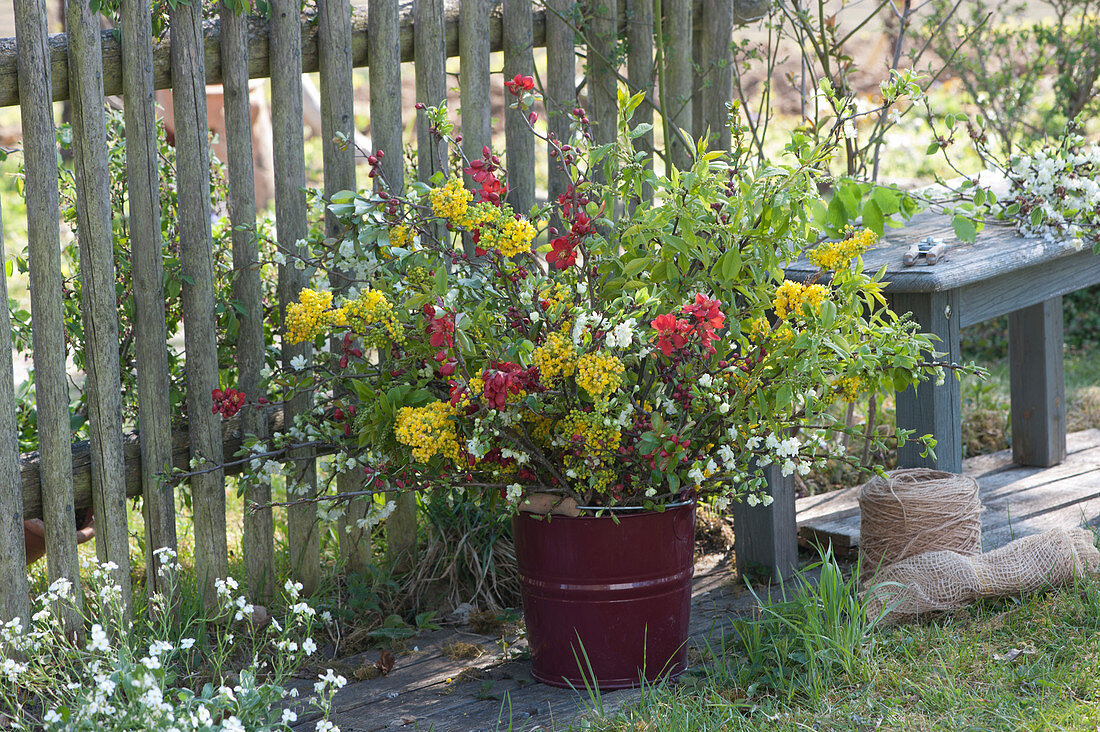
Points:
(1018, 501)
(427, 689)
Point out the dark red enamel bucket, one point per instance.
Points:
(621, 591)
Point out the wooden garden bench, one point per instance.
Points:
(1002, 273)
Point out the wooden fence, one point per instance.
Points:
(692, 55)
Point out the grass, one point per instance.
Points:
(1021, 663)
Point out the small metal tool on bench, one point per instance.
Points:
(930, 249)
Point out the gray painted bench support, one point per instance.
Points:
(933, 408)
(1038, 384)
(1001, 274)
(765, 538)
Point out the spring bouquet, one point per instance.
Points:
(632, 343)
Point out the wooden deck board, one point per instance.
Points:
(1017, 500)
(421, 692)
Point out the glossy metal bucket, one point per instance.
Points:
(607, 602)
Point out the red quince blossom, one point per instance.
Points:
(672, 332)
(503, 378)
(708, 319)
(520, 84)
(439, 330)
(228, 402)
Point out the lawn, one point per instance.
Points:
(1019, 663)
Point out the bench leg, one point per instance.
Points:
(765, 537)
(931, 408)
(1038, 384)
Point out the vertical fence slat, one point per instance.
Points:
(150, 337)
(48, 328)
(519, 143)
(99, 311)
(290, 215)
(338, 117)
(384, 53)
(676, 93)
(430, 50)
(640, 72)
(699, 79)
(717, 36)
(197, 265)
(600, 31)
(259, 528)
(473, 77)
(561, 89)
(13, 574)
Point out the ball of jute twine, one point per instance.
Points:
(917, 510)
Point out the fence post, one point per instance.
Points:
(518, 36)
(384, 54)
(150, 337)
(13, 573)
(600, 28)
(473, 80)
(561, 89)
(640, 72)
(197, 265)
(51, 386)
(430, 49)
(290, 216)
(338, 118)
(99, 311)
(676, 92)
(258, 543)
(718, 71)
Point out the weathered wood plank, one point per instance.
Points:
(1038, 384)
(14, 599)
(303, 537)
(1017, 500)
(385, 82)
(197, 265)
(337, 122)
(179, 455)
(561, 91)
(150, 336)
(718, 82)
(767, 536)
(931, 408)
(519, 142)
(99, 312)
(473, 80)
(431, 82)
(48, 328)
(385, 78)
(641, 73)
(258, 543)
(600, 31)
(259, 57)
(676, 93)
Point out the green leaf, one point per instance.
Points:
(964, 228)
(872, 217)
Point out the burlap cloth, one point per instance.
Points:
(947, 580)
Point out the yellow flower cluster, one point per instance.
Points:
(513, 237)
(758, 329)
(450, 201)
(309, 317)
(791, 296)
(849, 387)
(400, 236)
(479, 214)
(599, 439)
(372, 308)
(556, 358)
(429, 431)
(599, 374)
(600, 443)
(837, 255)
